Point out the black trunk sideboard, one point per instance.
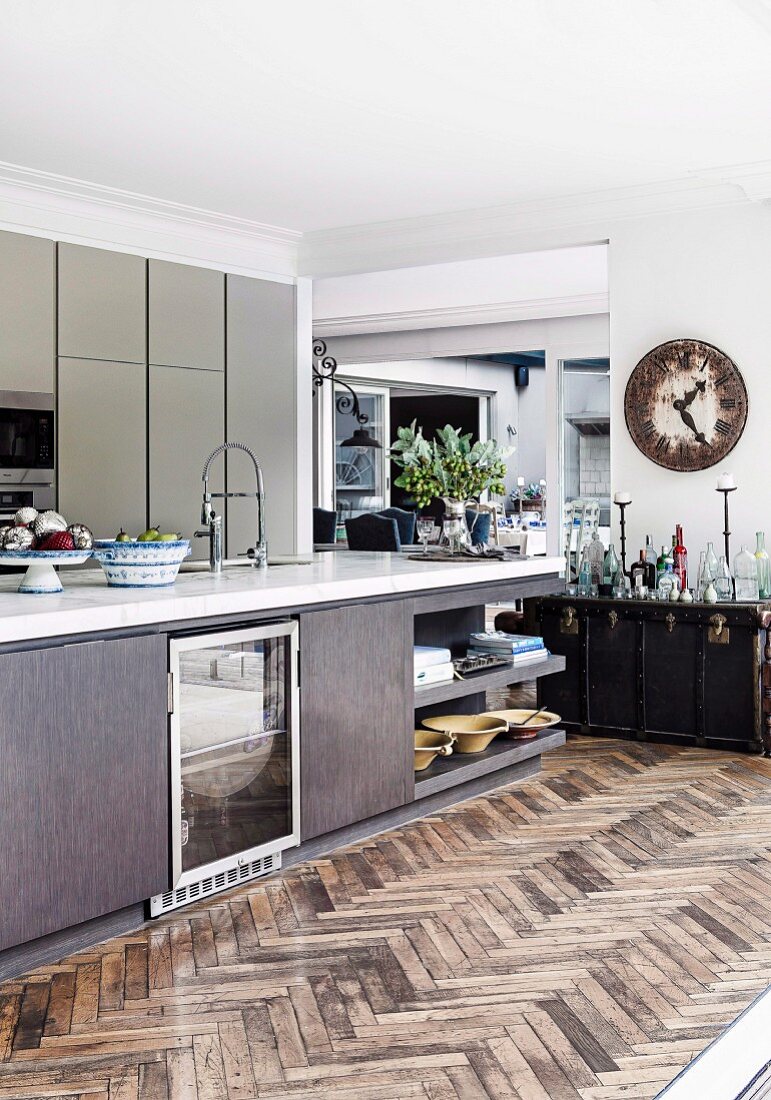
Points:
(687, 673)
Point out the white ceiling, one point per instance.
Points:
(313, 114)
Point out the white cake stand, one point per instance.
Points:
(41, 578)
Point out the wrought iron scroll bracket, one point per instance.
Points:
(324, 369)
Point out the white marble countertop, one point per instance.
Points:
(87, 605)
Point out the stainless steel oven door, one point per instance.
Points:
(234, 735)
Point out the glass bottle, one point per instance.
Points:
(585, 575)
(610, 566)
(595, 551)
(723, 581)
(666, 583)
(764, 566)
(661, 563)
(670, 558)
(680, 563)
(746, 575)
(639, 569)
(712, 562)
(703, 576)
(650, 551)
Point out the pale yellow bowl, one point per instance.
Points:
(429, 745)
(472, 732)
(512, 718)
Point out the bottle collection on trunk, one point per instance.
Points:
(667, 576)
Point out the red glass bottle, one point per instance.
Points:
(680, 562)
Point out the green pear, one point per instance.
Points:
(122, 536)
(173, 537)
(152, 534)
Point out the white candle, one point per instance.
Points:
(520, 482)
(622, 498)
(726, 481)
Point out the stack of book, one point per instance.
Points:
(433, 665)
(518, 648)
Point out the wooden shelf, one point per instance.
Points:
(487, 681)
(450, 771)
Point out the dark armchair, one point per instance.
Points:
(372, 532)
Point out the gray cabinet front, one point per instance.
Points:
(187, 421)
(84, 782)
(102, 312)
(186, 311)
(357, 716)
(27, 310)
(103, 445)
(262, 408)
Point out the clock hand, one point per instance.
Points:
(683, 402)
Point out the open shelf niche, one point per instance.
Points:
(451, 627)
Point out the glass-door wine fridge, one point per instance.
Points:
(235, 782)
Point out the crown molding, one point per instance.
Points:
(86, 213)
(494, 231)
(754, 178)
(573, 305)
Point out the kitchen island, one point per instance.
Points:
(87, 776)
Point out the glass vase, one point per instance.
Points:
(724, 581)
(455, 536)
(703, 576)
(746, 575)
(764, 566)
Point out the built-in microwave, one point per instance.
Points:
(27, 445)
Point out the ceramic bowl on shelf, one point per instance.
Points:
(136, 564)
(429, 745)
(519, 728)
(472, 732)
(41, 579)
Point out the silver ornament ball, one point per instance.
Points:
(48, 523)
(18, 538)
(82, 536)
(25, 516)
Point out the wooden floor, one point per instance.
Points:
(581, 935)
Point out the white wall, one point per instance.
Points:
(705, 275)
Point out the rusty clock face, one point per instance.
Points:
(686, 405)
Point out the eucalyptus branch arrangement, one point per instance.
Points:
(448, 466)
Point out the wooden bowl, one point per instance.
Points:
(512, 718)
(429, 745)
(472, 732)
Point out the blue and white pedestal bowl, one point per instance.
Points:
(41, 578)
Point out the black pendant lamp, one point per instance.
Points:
(325, 367)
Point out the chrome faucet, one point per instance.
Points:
(259, 552)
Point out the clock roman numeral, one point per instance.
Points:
(662, 366)
(684, 360)
(727, 402)
(704, 362)
(722, 427)
(723, 378)
(662, 446)
(648, 428)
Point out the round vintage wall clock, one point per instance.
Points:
(686, 405)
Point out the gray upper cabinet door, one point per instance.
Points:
(27, 325)
(187, 421)
(186, 316)
(103, 445)
(102, 304)
(261, 408)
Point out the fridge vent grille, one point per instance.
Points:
(213, 884)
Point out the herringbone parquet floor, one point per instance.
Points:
(578, 936)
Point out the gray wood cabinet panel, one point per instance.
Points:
(83, 782)
(27, 298)
(261, 408)
(186, 312)
(103, 445)
(102, 304)
(187, 421)
(356, 744)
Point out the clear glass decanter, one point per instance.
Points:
(610, 566)
(595, 552)
(764, 566)
(703, 576)
(712, 562)
(723, 581)
(746, 575)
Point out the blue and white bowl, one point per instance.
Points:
(141, 564)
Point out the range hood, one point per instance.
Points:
(590, 423)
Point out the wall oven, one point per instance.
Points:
(235, 779)
(27, 444)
